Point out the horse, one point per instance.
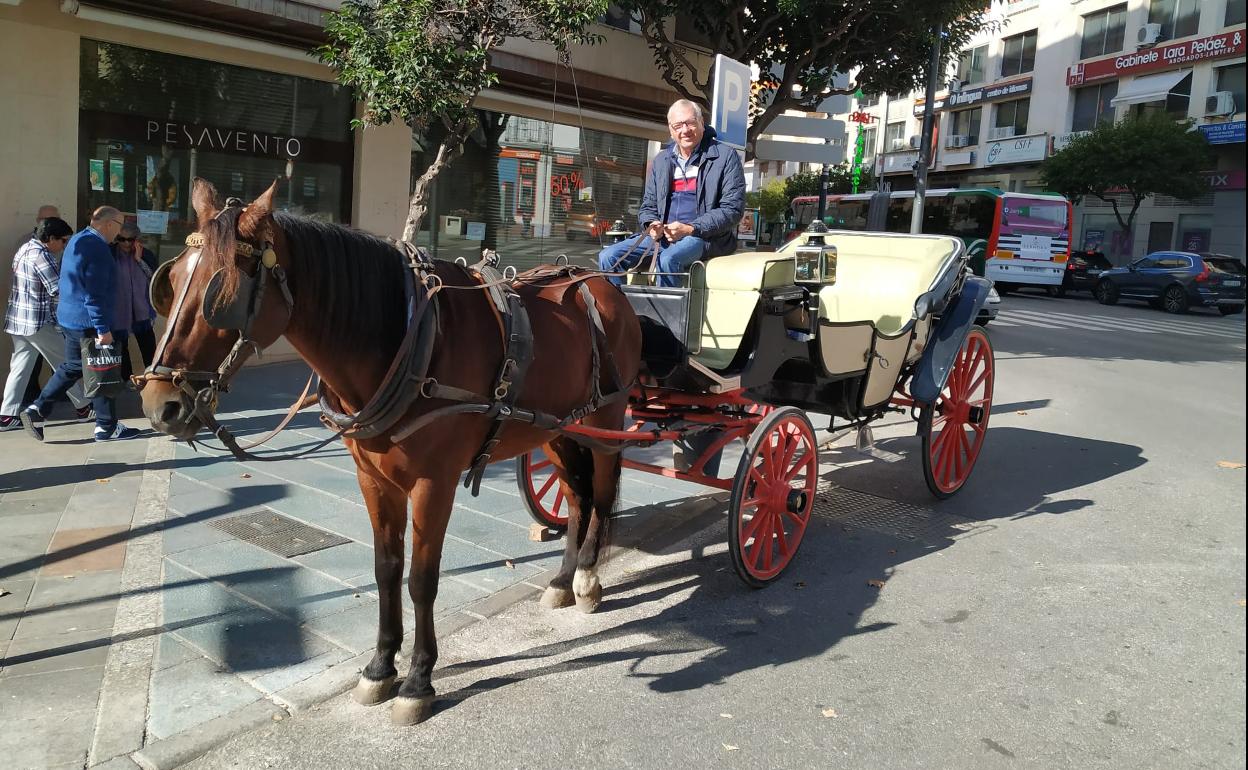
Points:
(343, 306)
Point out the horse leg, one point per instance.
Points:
(571, 464)
(606, 480)
(387, 508)
(431, 510)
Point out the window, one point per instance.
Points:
(1173, 263)
(966, 123)
(868, 100)
(1013, 114)
(1232, 79)
(897, 218)
(895, 137)
(1234, 12)
(1092, 106)
(1103, 32)
(620, 19)
(1175, 104)
(1019, 55)
(971, 65)
(1178, 18)
(868, 144)
(848, 214)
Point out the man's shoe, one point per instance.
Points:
(8, 422)
(85, 414)
(118, 433)
(32, 421)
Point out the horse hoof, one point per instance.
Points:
(590, 601)
(557, 598)
(370, 692)
(407, 711)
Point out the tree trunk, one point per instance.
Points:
(452, 147)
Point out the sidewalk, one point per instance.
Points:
(158, 600)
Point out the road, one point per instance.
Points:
(1079, 604)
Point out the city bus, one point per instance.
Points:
(1014, 239)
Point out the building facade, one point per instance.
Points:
(1055, 68)
(123, 102)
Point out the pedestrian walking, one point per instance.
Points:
(133, 310)
(88, 286)
(31, 318)
(46, 211)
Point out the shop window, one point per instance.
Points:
(1160, 234)
(1178, 18)
(1195, 233)
(965, 123)
(1103, 32)
(1175, 104)
(895, 137)
(1013, 114)
(1232, 79)
(531, 190)
(1234, 13)
(1019, 54)
(149, 122)
(1092, 106)
(971, 65)
(620, 18)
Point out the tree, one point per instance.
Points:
(805, 43)
(424, 61)
(801, 183)
(1136, 157)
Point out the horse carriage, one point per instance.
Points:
(846, 324)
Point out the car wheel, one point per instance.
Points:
(1106, 293)
(1059, 291)
(1174, 300)
(1003, 288)
(1053, 291)
(1230, 309)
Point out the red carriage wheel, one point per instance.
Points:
(953, 429)
(772, 495)
(540, 488)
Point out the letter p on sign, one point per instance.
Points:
(730, 102)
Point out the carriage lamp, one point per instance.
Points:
(815, 261)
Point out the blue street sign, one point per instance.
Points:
(1224, 133)
(730, 103)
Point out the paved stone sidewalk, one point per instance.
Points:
(161, 600)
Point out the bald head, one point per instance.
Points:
(107, 221)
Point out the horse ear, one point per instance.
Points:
(204, 201)
(257, 213)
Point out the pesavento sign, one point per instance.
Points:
(972, 96)
(223, 139)
(1162, 57)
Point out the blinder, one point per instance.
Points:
(160, 289)
(238, 312)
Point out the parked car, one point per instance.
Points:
(585, 221)
(990, 309)
(1176, 281)
(1083, 270)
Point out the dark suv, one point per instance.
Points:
(1177, 280)
(1083, 270)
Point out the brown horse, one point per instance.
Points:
(347, 320)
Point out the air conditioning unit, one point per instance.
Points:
(1001, 132)
(1148, 35)
(1220, 103)
(954, 85)
(958, 140)
(915, 142)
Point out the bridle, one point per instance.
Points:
(239, 314)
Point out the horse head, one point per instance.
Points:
(224, 298)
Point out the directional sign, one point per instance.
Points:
(800, 152)
(730, 102)
(811, 128)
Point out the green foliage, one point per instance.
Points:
(805, 43)
(773, 201)
(802, 183)
(1152, 155)
(841, 180)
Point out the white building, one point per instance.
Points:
(1057, 67)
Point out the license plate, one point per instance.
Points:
(1231, 283)
(1035, 270)
(1094, 272)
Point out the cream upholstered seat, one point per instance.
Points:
(731, 286)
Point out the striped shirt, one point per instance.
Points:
(32, 300)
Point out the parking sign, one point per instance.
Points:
(730, 101)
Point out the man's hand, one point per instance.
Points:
(104, 339)
(655, 230)
(677, 230)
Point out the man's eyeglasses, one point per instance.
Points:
(683, 124)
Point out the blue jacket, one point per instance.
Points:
(721, 193)
(88, 283)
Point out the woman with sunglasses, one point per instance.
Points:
(135, 265)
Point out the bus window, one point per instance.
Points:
(848, 214)
(898, 219)
(971, 216)
(936, 212)
(1025, 212)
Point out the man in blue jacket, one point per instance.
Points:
(87, 294)
(695, 196)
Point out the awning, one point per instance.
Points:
(1149, 88)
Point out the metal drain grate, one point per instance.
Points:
(880, 514)
(279, 534)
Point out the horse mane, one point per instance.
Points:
(348, 285)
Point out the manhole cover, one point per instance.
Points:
(279, 534)
(891, 517)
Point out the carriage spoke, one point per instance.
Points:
(558, 502)
(764, 543)
(798, 521)
(535, 467)
(782, 545)
(546, 487)
(751, 527)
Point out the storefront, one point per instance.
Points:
(150, 122)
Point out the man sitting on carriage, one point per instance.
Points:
(694, 199)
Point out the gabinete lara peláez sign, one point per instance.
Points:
(1162, 57)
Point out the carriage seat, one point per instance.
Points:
(879, 277)
(731, 286)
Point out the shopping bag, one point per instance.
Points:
(101, 369)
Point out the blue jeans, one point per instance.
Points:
(673, 258)
(70, 372)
